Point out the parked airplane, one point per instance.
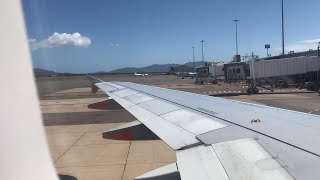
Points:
(137, 74)
(186, 74)
(214, 138)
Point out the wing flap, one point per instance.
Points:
(200, 163)
(300, 164)
(246, 159)
(233, 160)
(168, 172)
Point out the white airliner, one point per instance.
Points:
(138, 74)
(213, 138)
(186, 74)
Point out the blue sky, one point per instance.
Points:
(121, 33)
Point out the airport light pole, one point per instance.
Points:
(282, 27)
(236, 21)
(267, 46)
(194, 64)
(202, 51)
(253, 71)
(317, 83)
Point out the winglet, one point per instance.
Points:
(94, 88)
(93, 81)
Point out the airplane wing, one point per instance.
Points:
(216, 138)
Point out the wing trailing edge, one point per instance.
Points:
(168, 172)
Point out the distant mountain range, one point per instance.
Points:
(153, 68)
(38, 72)
(43, 72)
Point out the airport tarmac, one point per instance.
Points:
(74, 135)
(48, 85)
(74, 132)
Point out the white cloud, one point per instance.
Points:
(304, 45)
(63, 39)
(112, 45)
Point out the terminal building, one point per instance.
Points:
(300, 67)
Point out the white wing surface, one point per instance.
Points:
(215, 138)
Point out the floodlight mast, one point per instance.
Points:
(194, 64)
(202, 51)
(236, 21)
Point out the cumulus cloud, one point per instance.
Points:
(58, 40)
(113, 45)
(304, 45)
